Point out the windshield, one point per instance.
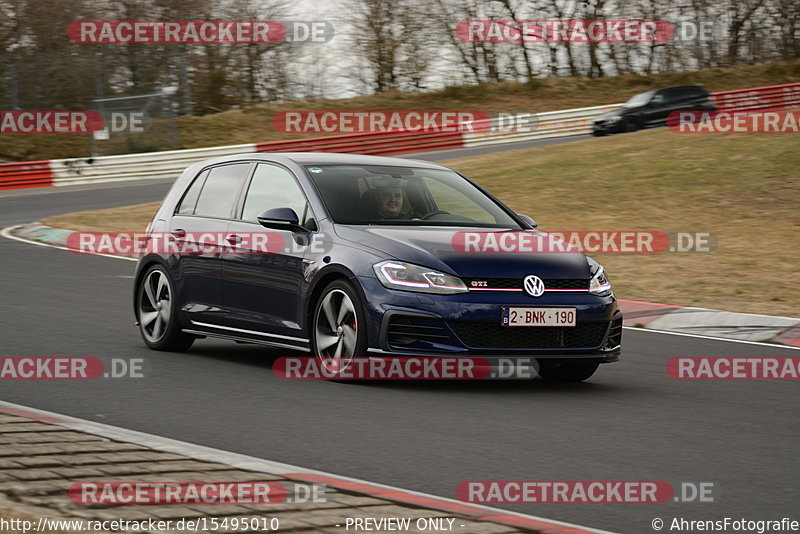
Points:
(371, 194)
(639, 100)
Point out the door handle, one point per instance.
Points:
(180, 233)
(233, 239)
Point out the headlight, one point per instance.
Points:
(615, 118)
(410, 277)
(599, 284)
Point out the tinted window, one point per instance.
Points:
(220, 190)
(272, 187)
(691, 91)
(189, 201)
(676, 94)
(371, 194)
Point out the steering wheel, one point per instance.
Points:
(432, 213)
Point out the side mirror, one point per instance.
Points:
(528, 220)
(282, 219)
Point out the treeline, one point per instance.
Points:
(380, 45)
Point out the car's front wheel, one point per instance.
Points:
(567, 372)
(157, 315)
(339, 327)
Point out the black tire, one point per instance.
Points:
(354, 321)
(631, 125)
(160, 299)
(568, 372)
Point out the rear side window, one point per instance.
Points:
(221, 190)
(189, 201)
(676, 94)
(673, 94)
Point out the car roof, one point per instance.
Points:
(692, 85)
(323, 158)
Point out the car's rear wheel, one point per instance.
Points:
(157, 315)
(567, 372)
(339, 333)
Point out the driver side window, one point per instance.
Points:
(273, 187)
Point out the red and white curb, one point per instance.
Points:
(713, 324)
(292, 472)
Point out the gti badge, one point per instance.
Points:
(533, 285)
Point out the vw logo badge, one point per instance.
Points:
(533, 285)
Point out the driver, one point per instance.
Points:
(389, 202)
(387, 199)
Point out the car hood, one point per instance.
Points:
(434, 247)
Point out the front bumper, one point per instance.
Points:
(605, 127)
(404, 323)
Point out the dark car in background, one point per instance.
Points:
(369, 269)
(651, 109)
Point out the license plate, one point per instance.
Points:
(537, 316)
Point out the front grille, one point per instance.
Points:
(483, 335)
(497, 283)
(566, 283)
(405, 330)
(516, 283)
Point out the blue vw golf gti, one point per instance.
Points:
(348, 256)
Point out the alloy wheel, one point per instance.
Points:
(336, 330)
(155, 306)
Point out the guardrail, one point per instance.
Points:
(549, 124)
(373, 143)
(760, 98)
(25, 175)
(147, 166)
(169, 164)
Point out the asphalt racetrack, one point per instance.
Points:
(629, 422)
